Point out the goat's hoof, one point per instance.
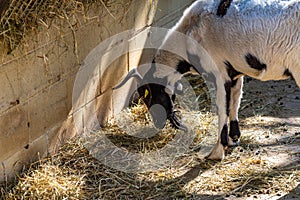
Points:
(218, 153)
(233, 142)
(176, 123)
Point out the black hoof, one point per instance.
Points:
(176, 123)
(234, 141)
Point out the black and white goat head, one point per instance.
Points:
(158, 96)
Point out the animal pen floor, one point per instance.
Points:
(266, 165)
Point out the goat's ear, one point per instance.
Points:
(177, 89)
(131, 74)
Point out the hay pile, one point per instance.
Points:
(74, 174)
(19, 18)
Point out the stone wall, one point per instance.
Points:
(37, 79)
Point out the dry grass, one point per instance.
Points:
(74, 174)
(20, 18)
(244, 173)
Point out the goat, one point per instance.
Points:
(260, 39)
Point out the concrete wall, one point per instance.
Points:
(36, 80)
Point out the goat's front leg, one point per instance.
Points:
(235, 100)
(223, 104)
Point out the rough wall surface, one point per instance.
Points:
(36, 79)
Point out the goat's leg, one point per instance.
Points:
(235, 100)
(223, 104)
(295, 74)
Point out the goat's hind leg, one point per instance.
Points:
(295, 74)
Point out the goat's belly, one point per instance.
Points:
(267, 74)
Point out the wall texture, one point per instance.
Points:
(37, 79)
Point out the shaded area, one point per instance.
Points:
(272, 98)
(293, 195)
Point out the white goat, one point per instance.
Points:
(257, 38)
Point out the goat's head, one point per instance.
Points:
(158, 97)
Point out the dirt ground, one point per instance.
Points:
(270, 125)
(270, 114)
(274, 108)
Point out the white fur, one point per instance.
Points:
(268, 29)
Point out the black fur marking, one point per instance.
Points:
(232, 73)
(254, 62)
(156, 96)
(224, 136)
(173, 97)
(234, 132)
(222, 8)
(183, 66)
(227, 86)
(233, 83)
(288, 73)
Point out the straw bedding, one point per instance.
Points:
(246, 171)
(20, 18)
